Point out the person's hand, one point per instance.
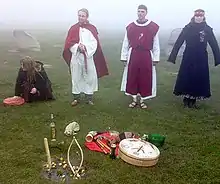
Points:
(33, 91)
(82, 47)
(155, 63)
(16, 97)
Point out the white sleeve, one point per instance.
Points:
(125, 48)
(74, 49)
(91, 46)
(156, 48)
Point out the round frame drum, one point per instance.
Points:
(138, 152)
(13, 101)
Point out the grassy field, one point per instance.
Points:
(191, 154)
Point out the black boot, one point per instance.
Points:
(186, 102)
(193, 104)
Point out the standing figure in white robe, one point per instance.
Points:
(84, 78)
(140, 53)
(82, 53)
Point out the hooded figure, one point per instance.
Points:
(32, 81)
(193, 78)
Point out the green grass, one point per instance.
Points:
(191, 154)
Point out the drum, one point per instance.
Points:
(138, 152)
(13, 101)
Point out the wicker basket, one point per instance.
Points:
(129, 157)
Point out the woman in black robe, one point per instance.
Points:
(32, 81)
(193, 78)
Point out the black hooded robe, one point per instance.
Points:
(193, 77)
(42, 84)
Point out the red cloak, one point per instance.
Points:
(73, 38)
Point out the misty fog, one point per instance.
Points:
(112, 14)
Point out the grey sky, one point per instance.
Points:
(167, 13)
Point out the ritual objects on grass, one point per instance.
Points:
(58, 168)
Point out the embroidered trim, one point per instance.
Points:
(192, 97)
(145, 24)
(202, 36)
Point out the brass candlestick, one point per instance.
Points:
(53, 129)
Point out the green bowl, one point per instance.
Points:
(156, 139)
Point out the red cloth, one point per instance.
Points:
(73, 38)
(94, 147)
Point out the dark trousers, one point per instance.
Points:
(189, 102)
(77, 97)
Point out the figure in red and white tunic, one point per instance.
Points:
(140, 54)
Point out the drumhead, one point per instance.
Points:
(13, 101)
(139, 149)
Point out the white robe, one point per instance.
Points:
(83, 82)
(125, 55)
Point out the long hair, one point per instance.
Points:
(29, 65)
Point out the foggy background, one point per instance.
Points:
(111, 14)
